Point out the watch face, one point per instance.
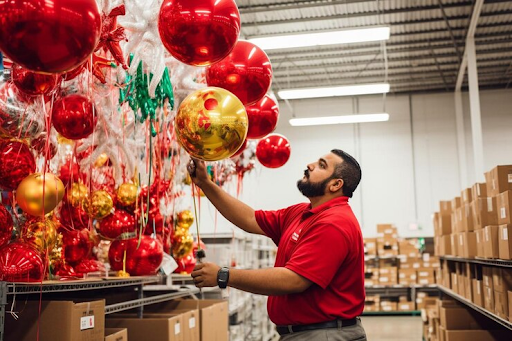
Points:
(222, 277)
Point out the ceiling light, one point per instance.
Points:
(313, 121)
(351, 90)
(323, 38)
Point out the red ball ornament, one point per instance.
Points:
(49, 36)
(33, 83)
(6, 226)
(89, 265)
(246, 72)
(273, 151)
(186, 264)
(199, 32)
(143, 259)
(76, 245)
(72, 218)
(116, 224)
(74, 117)
(17, 163)
(20, 263)
(263, 117)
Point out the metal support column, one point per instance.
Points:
(3, 303)
(461, 140)
(140, 310)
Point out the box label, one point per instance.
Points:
(489, 205)
(505, 233)
(177, 328)
(478, 289)
(487, 235)
(477, 190)
(168, 264)
(461, 240)
(86, 322)
(478, 237)
(191, 322)
(510, 178)
(503, 213)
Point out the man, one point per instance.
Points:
(316, 288)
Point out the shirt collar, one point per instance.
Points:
(331, 203)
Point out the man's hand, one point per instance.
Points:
(205, 275)
(197, 170)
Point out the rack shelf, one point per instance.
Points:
(388, 313)
(481, 310)
(491, 262)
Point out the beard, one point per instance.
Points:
(312, 189)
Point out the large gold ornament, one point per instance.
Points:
(78, 194)
(182, 243)
(184, 219)
(30, 193)
(211, 124)
(41, 234)
(99, 205)
(127, 194)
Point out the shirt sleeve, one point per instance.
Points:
(319, 254)
(271, 222)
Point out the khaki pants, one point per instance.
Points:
(350, 333)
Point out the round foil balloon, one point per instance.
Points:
(127, 194)
(20, 263)
(184, 219)
(263, 117)
(246, 72)
(19, 116)
(143, 259)
(6, 225)
(273, 151)
(17, 163)
(76, 245)
(38, 194)
(182, 243)
(41, 234)
(74, 117)
(116, 224)
(199, 32)
(99, 205)
(78, 194)
(72, 218)
(49, 36)
(186, 264)
(211, 124)
(33, 83)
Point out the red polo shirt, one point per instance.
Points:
(325, 245)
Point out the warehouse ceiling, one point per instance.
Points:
(423, 53)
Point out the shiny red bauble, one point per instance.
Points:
(74, 117)
(33, 83)
(76, 245)
(143, 259)
(273, 151)
(199, 32)
(246, 72)
(72, 218)
(263, 117)
(17, 163)
(49, 36)
(116, 224)
(20, 263)
(6, 226)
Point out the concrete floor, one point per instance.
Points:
(393, 328)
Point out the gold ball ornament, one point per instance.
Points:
(78, 194)
(184, 219)
(211, 124)
(101, 160)
(40, 234)
(182, 243)
(127, 194)
(39, 194)
(99, 205)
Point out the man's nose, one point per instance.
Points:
(310, 167)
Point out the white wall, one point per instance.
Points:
(409, 163)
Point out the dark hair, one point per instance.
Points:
(348, 170)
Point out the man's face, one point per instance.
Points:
(318, 176)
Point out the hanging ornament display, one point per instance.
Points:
(74, 117)
(273, 151)
(141, 259)
(17, 163)
(38, 194)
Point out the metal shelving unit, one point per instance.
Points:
(491, 262)
(481, 310)
(395, 291)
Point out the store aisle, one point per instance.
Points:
(392, 328)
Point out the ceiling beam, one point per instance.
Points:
(297, 4)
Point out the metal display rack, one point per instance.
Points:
(491, 262)
(481, 310)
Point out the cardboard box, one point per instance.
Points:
(454, 244)
(165, 328)
(370, 246)
(445, 208)
(454, 318)
(477, 292)
(501, 304)
(388, 276)
(509, 299)
(498, 180)
(444, 224)
(387, 247)
(60, 321)
(389, 229)
(479, 235)
(505, 241)
(405, 306)
(461, 224)
(454, 282)
(456, 202)
(501, 279)
(489, 299)
(408, 248)
(425, 276)
(116, 334)
(485, 212)
(446, 246)
(407, 276)
(479, 191)
(491, 248)
(190, 322)
(504, 202)
(487, 276)
(466, 196)
(480, 335)
(388, 306)
(467, 244)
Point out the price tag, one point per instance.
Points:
(168, 264)
(87, 322)
(177, 328)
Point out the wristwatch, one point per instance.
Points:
(223, 277)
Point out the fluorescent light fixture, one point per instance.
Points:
(314, 121)
(359, 35)
(351, 90)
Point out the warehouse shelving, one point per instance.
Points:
(478, 260)
(398, 290)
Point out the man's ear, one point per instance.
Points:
(336, 185)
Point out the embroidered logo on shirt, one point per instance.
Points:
(295, 235)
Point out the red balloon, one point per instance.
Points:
(17, 163)
(142, 260)
(49, 36)
(199, 32)
(72, 218)
(74, 117)
(116, 224)
(76, 245)
(73, 73)
(246, 72)
(33, 83)
(89, 265)
(70, 172)
(6, 226)
(186, 264)
(20, 263)
(263, 117)
(273, 151)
